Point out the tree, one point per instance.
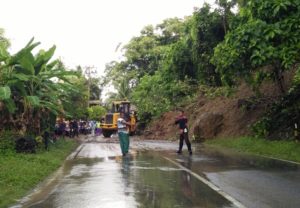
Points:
(170, 31)
(225, 7)
(141, 55)
(267, 36)
(158, 93)
(96, 112)
(95, 90)
(206, 33)
(4, 42)
(76, 104)
(178, 63)
(31, 87)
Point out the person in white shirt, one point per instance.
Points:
(123, 134)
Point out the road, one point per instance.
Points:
(153, 175)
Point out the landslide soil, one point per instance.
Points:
(234, 114)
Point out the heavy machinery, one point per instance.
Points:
(109, 125)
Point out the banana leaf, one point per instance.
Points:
(5, 93)
(25, 52)
(33, 101)
(21, 77)
(10, 105)
(26, 63)
(43, 58)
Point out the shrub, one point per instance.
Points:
(279, 121)
(7, 141)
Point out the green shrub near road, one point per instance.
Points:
(19, 173)
(287, 150)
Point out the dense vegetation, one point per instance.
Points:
(34, 90)
(286, 150)
(282, 119)
(254, 40)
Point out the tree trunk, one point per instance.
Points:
(279, 78)
(225, 23)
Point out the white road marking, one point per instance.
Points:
(211, 185)
(282, 160)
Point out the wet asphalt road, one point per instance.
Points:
(96, 175)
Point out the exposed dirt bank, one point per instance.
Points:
(221, 116)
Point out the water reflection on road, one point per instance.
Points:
(100, 177)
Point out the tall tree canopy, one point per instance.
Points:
(253, 40)
(268, 34)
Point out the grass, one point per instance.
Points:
(19, 173)
(287, 150)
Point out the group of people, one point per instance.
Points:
(181, 121)
(73, 128)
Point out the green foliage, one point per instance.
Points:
(224, 9)
(75, 102)
(96, 112)
(297, 77)
(4, 42)
(159, 69)
(206, 32)
(280, 119)
(32, 87)
(213, 92)
(5, 93)
(288, 150)
(267, 35)
(141, 54)
(212, 50)
(95, 89)
(7, 142)
(157, 94)
(171, 29)
(149, 96)
(178, 63)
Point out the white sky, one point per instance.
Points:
(86, 32)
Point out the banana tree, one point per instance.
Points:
(30, 86)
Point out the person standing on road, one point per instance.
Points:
(75, 128)
(181, 121)
(97, 128)
(93, 127)
(123, 134)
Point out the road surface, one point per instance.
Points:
(153, 175)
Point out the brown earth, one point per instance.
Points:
(221, 117)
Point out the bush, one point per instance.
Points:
(213, 92)
(26, 145)
(96, 112)
(156, 94)
(279, 121)
(7, 142)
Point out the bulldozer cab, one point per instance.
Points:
(109, 125)
(121, 107)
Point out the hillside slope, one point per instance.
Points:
(220, 117)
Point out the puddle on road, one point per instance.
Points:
(254, 181)
(216, 160)
(141, 180)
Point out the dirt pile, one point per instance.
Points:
(218, 117)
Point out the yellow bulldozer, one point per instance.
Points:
(109, 125)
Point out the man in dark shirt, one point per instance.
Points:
(75, 128)
(181, 120)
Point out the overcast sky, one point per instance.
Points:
(86, 32)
